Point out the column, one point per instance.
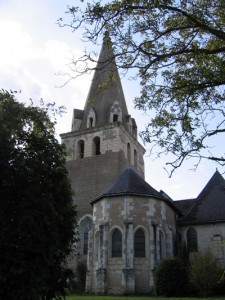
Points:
(128, 278)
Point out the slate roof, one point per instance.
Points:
(78, 114)
(208, 207)
(185, 205)
(130, 183)
(106, 87)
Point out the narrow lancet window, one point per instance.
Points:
(96, 146)
(128, 153)
(135, 158)
(116, 243)
(80, 149)
(115, 118)
(139, 243)
(192, 241)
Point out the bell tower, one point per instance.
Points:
(103, 140)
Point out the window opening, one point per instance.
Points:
(97, 146)
(85, 248)
(91, 122)
(80, 146)
(161, 245)
(116, 243)
(135, 158)
(115, 118)
(128, 153)
(139, 243)
(192, 243)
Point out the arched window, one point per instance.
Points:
(96, 246)
(161, 245)
(139, 243)
(192, 241)
(135, 158)
(128, 152)
(80, 149)
(83, 230)
(90, 122)
(91, 118)
(115, 113)
(85, 245)
(96, 146)
(116, 243)
(115, 118)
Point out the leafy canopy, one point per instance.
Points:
(176, 49)
(37, 217)
(205, 272)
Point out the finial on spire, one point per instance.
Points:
(106, 35)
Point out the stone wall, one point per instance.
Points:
(210, 236)
(129, 274)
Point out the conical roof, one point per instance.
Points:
(105, 88)
(130, 183)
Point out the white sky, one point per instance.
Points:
(34, 49)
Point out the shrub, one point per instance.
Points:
(81, 275)
(205, 273)
(171, 278)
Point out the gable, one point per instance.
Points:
(210, 203)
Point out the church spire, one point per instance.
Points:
(105, 100)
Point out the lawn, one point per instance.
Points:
(89, 297)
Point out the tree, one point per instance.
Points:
(37, 217)
(176, 49)
(171, 278)
(205, 272)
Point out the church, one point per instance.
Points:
(126, 227)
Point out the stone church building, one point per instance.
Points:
(126, 227)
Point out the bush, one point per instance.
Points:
(171, 278)
(205, 273)
(81, 271)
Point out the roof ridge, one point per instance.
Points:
(210, 184)
(210, 203)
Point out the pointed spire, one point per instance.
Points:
(106, 88)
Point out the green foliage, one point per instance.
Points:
(177, 50)
(78, 280)
(171, 278)
(81, 271)
(94, 297)
(205, 273)
(37, 218)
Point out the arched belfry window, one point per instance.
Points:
(192, 240)
(96, 146)
(115, 113)
(139, 243)
(91, 118)
(80, 149)
(91, 122)
(115, 118)
(116, 243)
(128, 152)
(135, 158)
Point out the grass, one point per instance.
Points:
(92, 297)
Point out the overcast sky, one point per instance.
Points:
(34, 49)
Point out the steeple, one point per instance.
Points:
(105, 102)
(103, 140)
